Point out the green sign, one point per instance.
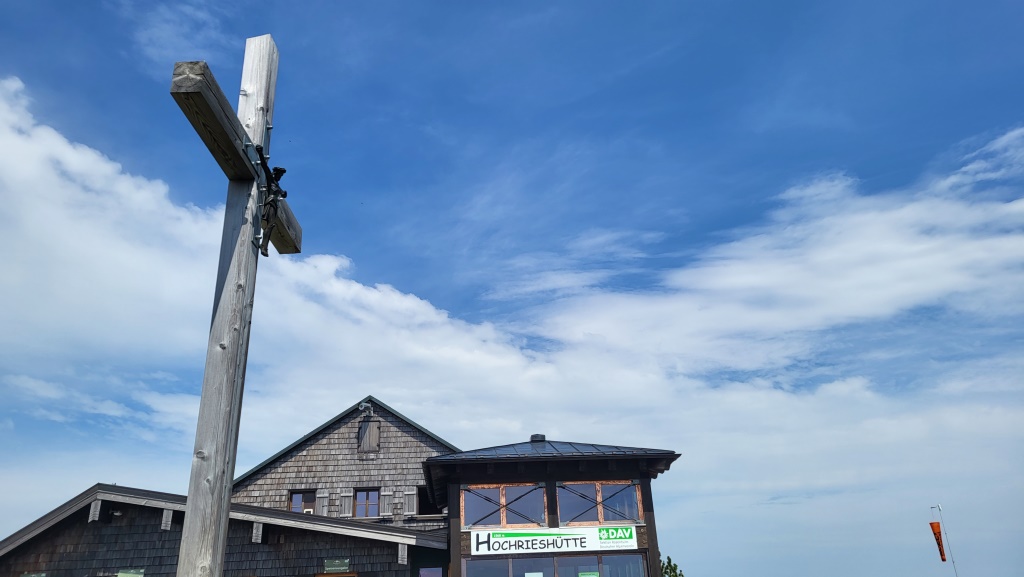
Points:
(553, 540)
(336, 566)
(588, 574)
(615, 533)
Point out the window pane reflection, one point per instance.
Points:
(486, 567)
(536, 567)
(622, 566)
(481, 507)
(524, 504)
(584, 566)
(619, 502)
(576, 503)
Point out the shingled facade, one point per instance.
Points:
(372, 494)
(348, 498)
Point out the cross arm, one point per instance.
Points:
(287, 235)
(196, 91)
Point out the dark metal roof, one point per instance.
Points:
(156, 499)
(441, 469)
(341, 415)
(544, 449)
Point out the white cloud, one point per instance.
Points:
(828, 258)
(111, 280)
(166, 32)
(102, 262)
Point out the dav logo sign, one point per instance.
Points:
(616, 538)
(615, 533)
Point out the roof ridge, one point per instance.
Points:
(332, 421)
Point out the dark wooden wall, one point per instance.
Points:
(134, 540)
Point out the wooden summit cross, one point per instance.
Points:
(255, 213)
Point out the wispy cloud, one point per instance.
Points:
(166, 32)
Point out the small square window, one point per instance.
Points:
(367, 503)
(303, 502)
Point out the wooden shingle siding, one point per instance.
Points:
(134, 540)
(330, 463)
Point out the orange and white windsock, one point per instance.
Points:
(937, 531)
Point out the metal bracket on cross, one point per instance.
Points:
(207, 109)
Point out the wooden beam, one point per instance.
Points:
(200, 98)
(287, 235)
(204, 535)
(196, 91)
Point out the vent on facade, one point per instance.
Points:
(537, 438)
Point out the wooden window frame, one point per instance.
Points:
(355, 502)
(600, 505)
(502, 508)
(291, 497)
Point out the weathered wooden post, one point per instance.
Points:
(255, 207)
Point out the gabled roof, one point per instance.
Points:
(544, 449)
(328, 424)
(142, 497)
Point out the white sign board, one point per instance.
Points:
(552, 540)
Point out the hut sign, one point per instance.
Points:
(561, 540)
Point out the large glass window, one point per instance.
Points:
(486, 567)
(622, 566)
(524, 504)
(596, 503)
(504, 506)
(577, 503)
(582, 566)
(609, 565)
(619, 502)
(533, 567)
(481, 506)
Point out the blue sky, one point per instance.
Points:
(785, 240)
